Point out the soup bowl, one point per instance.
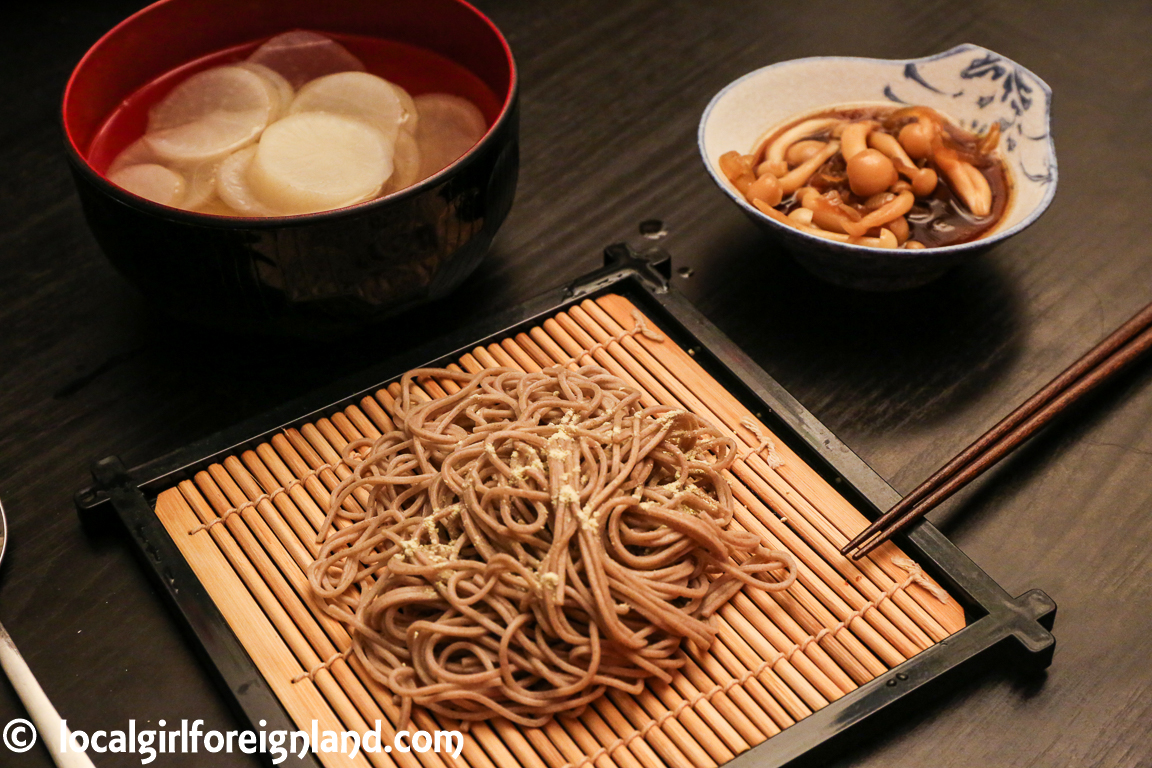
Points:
(311, 274)
(973, 86)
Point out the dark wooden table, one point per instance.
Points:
(612, 92)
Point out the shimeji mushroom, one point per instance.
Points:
(801, 215)
(800, 222)
(829, 211)
(920, 136)
(799, 176)
(766, 188)
(990, 140)
(893, 209)
(880, 169)
(776, 167)
(869, 171)
(805, 194)
(900, 228)
(775, 152)
(923, 179)
(738, 169)
(966, 180)
(854, 137)
(801, 151)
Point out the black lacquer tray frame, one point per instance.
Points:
(1001, 629)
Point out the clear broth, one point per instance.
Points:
(417, 70)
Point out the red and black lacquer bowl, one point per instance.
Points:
(311, 274)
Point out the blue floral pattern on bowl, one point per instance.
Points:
(974, 86)
(1001, 89)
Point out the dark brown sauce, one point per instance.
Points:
(936, 220)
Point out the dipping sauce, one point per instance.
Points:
(299, 123)
(880, 176)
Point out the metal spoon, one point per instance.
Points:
(43, 714)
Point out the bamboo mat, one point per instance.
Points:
(247, 527)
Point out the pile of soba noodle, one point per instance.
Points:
(530, 541)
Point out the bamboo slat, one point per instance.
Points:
(248, 527)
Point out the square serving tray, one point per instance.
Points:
(155, 503)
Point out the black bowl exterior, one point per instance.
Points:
(323, 273)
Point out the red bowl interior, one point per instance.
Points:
(420, 45)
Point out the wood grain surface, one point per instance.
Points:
(612, 93)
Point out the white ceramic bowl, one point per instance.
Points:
(971, 84)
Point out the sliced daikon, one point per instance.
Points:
(316, 161)
(411, 117)
(449, 126)
(354, 94)
(205, 140)
(405, 163)
(151, 181)
(233, 187)
(209, 115)
(216, 207)
(200, 185)
(229, 88)
(282, 90)
(136, 153)
(301, 56)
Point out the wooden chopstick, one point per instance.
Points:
(1100, 363)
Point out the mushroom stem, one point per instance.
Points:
(771, 212)
(888, 144)
(829, 214)
(917, 138)
(990, 140)
(799, 175)
(855, 138)
(829, 218)
(967, 181)
(801, 215)
(923, 179)
(982, 203)
(802, 150)
(777, 169)
(802, 223)
(805, 194)
(814, 230)
(766, 188)
(893, 209)
(812, 199)
(899, 227)
(733, 165)
(802, 130)
(886, 239)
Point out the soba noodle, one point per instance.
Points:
(524, 544)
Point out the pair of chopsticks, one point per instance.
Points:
(1103, 361)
